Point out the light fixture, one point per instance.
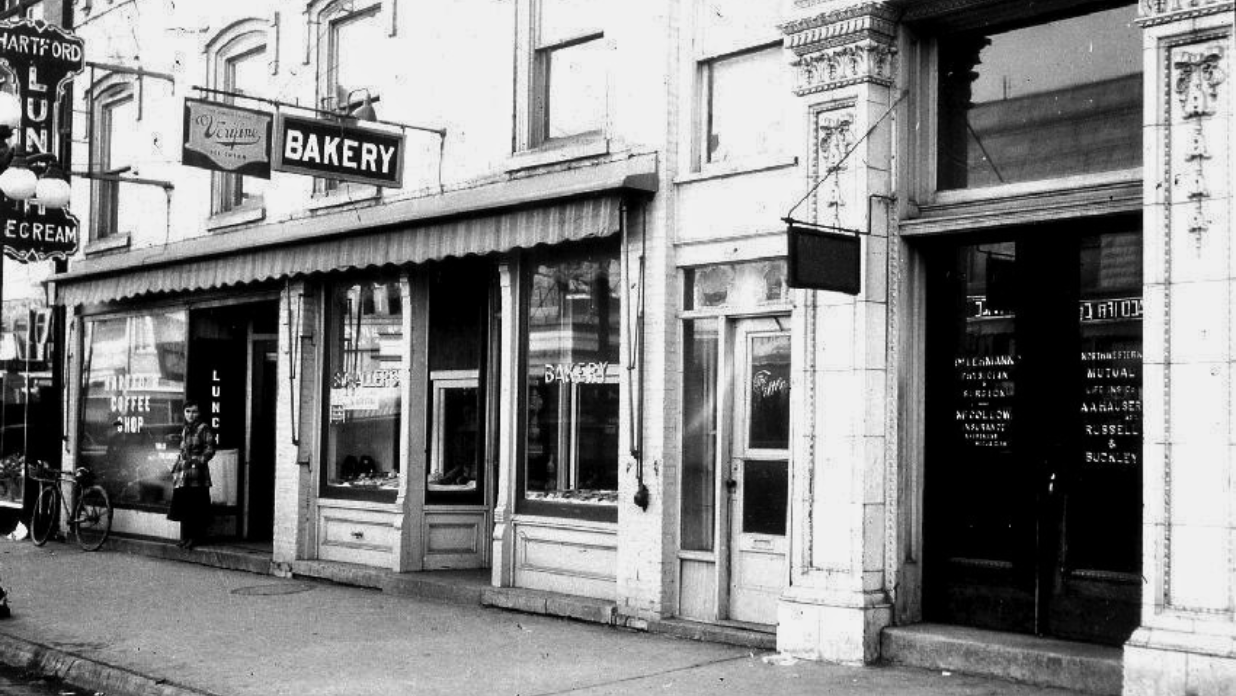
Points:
(19, 182)
(10, 111)
(364, 112)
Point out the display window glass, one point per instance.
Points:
(699, 437)
(573, 314)
(1011, 112)
(365, 358)
(133, 386)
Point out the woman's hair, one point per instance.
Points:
(189, 403)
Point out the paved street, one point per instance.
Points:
(137, 621)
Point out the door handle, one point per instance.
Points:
(1051, 483)
(731, 484)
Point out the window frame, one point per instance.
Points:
(935, 210)
(564, 509)
(239, 41)
(323, 23)
(705, 76)
(533, 84)
(330, 314)
(107, 95)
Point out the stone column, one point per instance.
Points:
(503, 558)
(841, 499)
(1186, 643)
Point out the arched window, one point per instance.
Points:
(238, 63)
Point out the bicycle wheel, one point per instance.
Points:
(43, 519)
(92, 518)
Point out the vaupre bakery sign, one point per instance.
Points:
(37, 61)
(226, 138)
(338, 149)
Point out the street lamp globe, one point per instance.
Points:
(51, 192)
(18, 183)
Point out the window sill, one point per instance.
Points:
(112, 243)
(1029, 188)
(236, 216)
(556, 152)
(566, 510)
(346, 194)
(722, 170)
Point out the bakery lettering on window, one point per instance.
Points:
(580, 372)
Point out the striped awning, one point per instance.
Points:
(384, 235)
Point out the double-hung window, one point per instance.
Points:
(743, 89)
(350, 56)
(115, 146)
(239, 66)
(569, 79)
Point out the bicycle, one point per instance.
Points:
(91, 517)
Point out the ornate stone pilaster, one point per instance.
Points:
(1186, 643)
(838, 599)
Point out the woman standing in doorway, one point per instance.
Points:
(191, 478)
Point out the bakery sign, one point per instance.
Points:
(338, 149)
(226, 138)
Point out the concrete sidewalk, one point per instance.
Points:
(125, 624)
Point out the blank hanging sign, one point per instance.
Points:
(823, 259)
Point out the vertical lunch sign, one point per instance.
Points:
(226, 138)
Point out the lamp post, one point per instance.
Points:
(18, 180)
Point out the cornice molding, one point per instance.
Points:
(1155, 12)
(867, 61)
(869, 21)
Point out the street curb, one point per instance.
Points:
(84, 672)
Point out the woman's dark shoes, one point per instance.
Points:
(182, 544)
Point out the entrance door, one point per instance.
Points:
(260, 472)
(759, 469)
(1033, 470)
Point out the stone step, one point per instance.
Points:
(1092, 669)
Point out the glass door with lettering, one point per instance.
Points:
(1033, 481)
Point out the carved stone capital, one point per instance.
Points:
(1198, 75)
(1153, 12)
(868, 61)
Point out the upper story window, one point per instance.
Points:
(1011, 110)
(115, 147)
(563, 71)
(239, 65)
(743, 92)
(350, 56)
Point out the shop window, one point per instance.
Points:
(1011, 112)
(752, 284)
(699, 437)
(116, 143)
(565, 71)
(366, 349)
(351, 49)
(742, 117)
(133, 386)
(571, 341)
(239, 65)
(458, 308)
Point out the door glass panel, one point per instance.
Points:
(984, 366)
(456, 459)
(764, 492)
(1105, 489)
(768, 424)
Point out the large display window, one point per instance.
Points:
(572, 307)
(133, 385)
(365, 357)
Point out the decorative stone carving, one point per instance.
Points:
(1153, 12)
(834, 138)
(838, 67)
(1197, 73)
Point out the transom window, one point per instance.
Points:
(1011, 111)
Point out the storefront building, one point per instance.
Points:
(565, 351)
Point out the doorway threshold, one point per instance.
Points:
(1049, 662)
